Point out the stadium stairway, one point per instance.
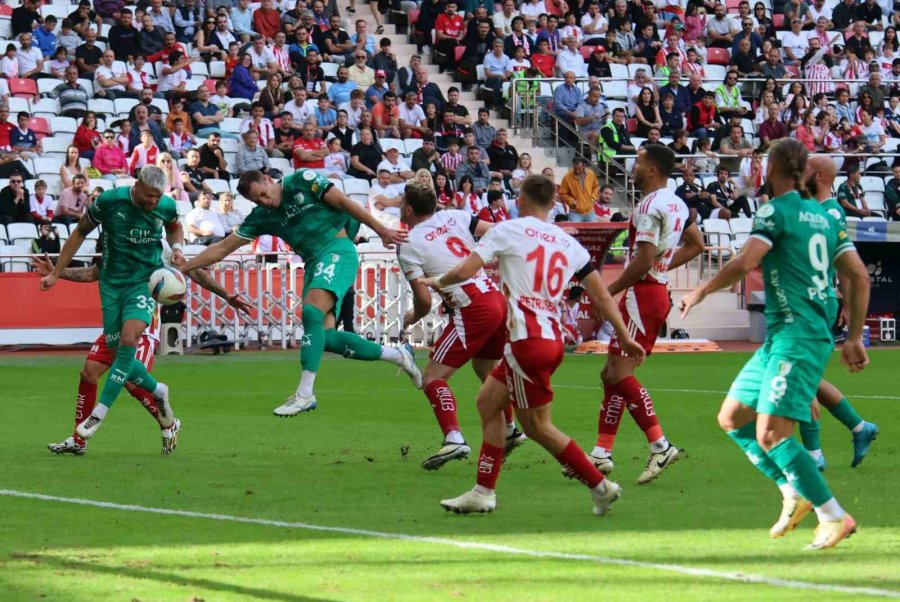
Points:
(403, 50)
(722, 318)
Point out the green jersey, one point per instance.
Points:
(836, 212)
(131, 237)
(804, 241)
(303, 219)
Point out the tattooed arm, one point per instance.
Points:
(43, 266)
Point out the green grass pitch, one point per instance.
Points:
(343, 466)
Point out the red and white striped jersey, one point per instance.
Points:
(537, 260)
(659, 219)
(437, 245)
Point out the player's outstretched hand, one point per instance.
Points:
(391, 236)
(48, 281)
(695, 297)
(429, 282)
(854, 355)
(41, 265)
(633, 350)
(239, 303)
(408, 319)
(178, 259)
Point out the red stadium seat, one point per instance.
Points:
(587, 51)
(5, 11)
(23, 88)
(458, 53)
(717, 56)
(413, 16)
(631, 126)
(778, 21)
(732, 5)
(210, 85)
(40, 126)
(794, 69)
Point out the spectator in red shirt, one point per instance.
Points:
(450, 30)
(542, 60)
(169, 46)
(309, 152)
(87, 138)
(495, 211)
(6, 127)
(267, 21)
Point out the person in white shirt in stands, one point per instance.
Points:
(174, 76)
(262, 60)
(398, 168)
(111, 79)
(593, 23)
(230, 217)
(31, 59)
(533, 9)
(297, 106)
(503, 19)
(140, 75)
(795, 43)
(203, 224)
(570, 59)
(385, 196)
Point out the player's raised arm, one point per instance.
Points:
(43, 266)
(214, 253)
(852, 271)
(731, 273)
(389, 236)
(603, 303)
(461, 272)
(85, 226)
(691, 246)
(206, 281)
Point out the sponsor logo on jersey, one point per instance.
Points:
(547, 237)
(767, 210)
(816, 220)
(440, 230)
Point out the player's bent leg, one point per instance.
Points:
(739, 423)
(90, 373)
(492, 398)
(864, 433)
(316, 304)
(774, 436)
(514, 437)
(611, 409)
(810, 434)
(354, 347)
(443, 404)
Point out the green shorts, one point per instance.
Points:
(333, 269)
(782, 377)
(124, 302)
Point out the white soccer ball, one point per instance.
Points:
(167, 286)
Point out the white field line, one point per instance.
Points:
(472, 545)
(711, 391)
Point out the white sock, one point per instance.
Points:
(484, 490)
(391, 354)
(601, 486)
(788, 491)
(307, 380)
(510, 428)
(859, 427)
(601, 452)
(454, 437)
(99, 411)
(660, 445)
(829, 511)
(816, 453)
(160, 390)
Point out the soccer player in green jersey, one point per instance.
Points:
(796, 242)
(319, 222)
(820, 173)
(133, 220)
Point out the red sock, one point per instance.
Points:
(641, 407)
(489, 462)
(444, 405)
(84, 405)
(147, 401)
(573, 459)
(610, 416)
(508, 414)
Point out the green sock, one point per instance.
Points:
(312, 345)
(800, 469)
(352, 346)
(745, 437)
(846, 414)
(118, 374)
(140, 377)
(809, 433)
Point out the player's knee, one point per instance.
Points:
(88, 377)
(726, 420)
(312, 314)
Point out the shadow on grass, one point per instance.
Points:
(207, 585)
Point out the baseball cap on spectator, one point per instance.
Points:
(380, 73)
(600, 48)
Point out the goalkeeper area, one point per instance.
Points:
(333, 505)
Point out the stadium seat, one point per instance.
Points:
(615, 89)
(102, 105)
(100, 183)
(338, 183)
(3, 239)
(231, 124)
(124, 105)
(717, 56)
(193, 250)
(717, 233)
(217, 69)
(740, 228)
(45, 107)
(217, 186)
(284, 165)
(6, 11)
(229, 145)
(86, 251)
(329, 69)
(40, 126)
(21, 233)
(387, 143)
(23, 88)
(586, 52)
(66, 125)
(14, 264)
(875, 201)
(618, 71)
(183, 207)
(458, 53)
(17, 105)
(871, 184)
(412, 145)
(161, 104)
(56, 144)
(631, 126)
(356, 186)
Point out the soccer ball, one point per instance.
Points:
(167, 286)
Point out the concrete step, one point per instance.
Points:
(716, 325)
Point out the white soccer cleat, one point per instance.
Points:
(69, 446)
(605, 495)
(604, 465)
(448, 452)
(408, 365)
(471, 501)
(513, 440)
(170, 437)
(792, 512)
(166, 415)
(88, 428)
(658, 462)
(831, 533)
(294, 405)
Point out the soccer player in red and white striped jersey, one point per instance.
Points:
(537, 260)
(659, 224)
(476, 331)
